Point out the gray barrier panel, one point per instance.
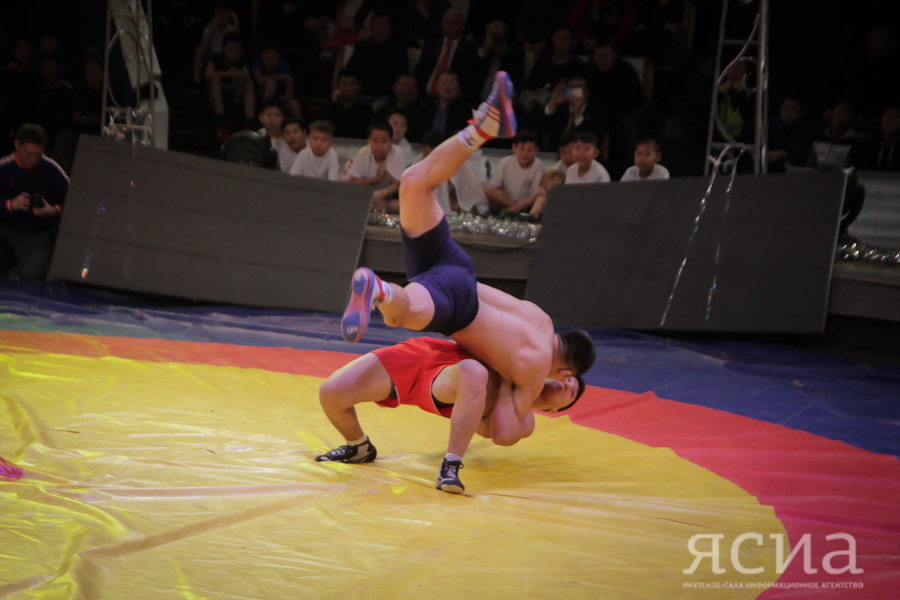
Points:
(609, 254)
(169, 223)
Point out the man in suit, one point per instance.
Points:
(448, 52)
(446, 113)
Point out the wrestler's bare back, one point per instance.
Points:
(514, 337)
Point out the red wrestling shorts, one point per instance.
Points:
(413, 365)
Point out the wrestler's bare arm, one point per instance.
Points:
(506, 425)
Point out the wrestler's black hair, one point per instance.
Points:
(578, 351)
(581, 387)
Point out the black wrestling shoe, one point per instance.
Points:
(448, 480)
(361, 453)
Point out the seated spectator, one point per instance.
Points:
(294, 141)
(271, 116)
(32, 191)
(445, 113)
(405, 93)
(19, 81)
(657, 33)
(318, 159)
(552, 68)
(619, 94)
(54, 99)
(790, 137)
(449, 51)
(881, 154)
(514, 187)
(273, 78)
(596, 19)
(379, 165)
(737, 109)
(646, 162)
(586, 168)
(229, 79)
(400, 123)
(212, 41)
(571, 109)
(832, 146)
(378, 61)
(349, 114)
(87, 98)
(497, 53)
(555, 175)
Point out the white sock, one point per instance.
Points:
(451, 456)
(472, 138)
(361, 440)
(386, 291)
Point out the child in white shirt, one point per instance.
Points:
(646, 162)
(294, 141)
(514, 187)
(318, 159)
(586, 169)
(400, 124)
(379, 164)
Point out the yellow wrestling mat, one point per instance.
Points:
(173, 480)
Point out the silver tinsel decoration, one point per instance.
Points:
(852, 249)
(468, 223)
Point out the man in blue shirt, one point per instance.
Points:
(32, 191)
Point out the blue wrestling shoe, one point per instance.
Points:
(495, 117)
(448, 479)
(362, 293)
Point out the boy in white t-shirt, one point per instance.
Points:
(379, 164)
(400, 124)
(514, 187)
(586, 169)
(294, 140)
(646, 162)
(318, 159)
(555, 175)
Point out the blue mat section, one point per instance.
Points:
(844, 400)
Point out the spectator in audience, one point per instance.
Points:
(87, 98)
(400, 123)
(737, 110)
(620, 97)
(596, 19)
(379, 165)
(445, 113)
(318, 159)
(551, 69)
(881, 154)
(294, 142)
(273, 78)
(446, 52)
(554, 175)
(54, 99)
(586, 168)
(405, 93)
(212, 41)
(571, 109)
(790, 136)
(646, 162)
(425, 20)
(514, 187)
(18, 84)
(657, 33)
(32, 191)
(271, 116)
(832, 146)
(497, 53)
(349, 114)
(229, 78)
(378, 61)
